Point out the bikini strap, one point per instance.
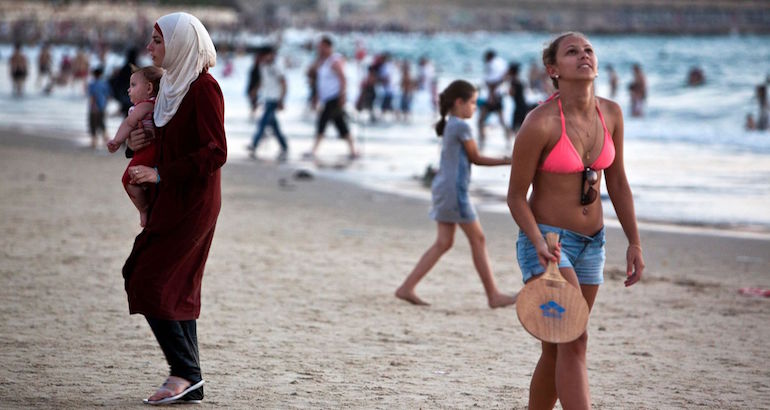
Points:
(561, 114)
(601, 118)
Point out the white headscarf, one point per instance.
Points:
(189, 50)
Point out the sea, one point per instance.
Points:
(690, 161)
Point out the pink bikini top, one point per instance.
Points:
(564, 158)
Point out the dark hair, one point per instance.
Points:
(97, 72)
(131, 54)
(489, 54)
(549, 52)
(446, 100)
(513, 68)
(152, 74)
(327, 40)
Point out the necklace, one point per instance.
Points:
(584, 135)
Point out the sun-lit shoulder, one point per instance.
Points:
(609, 107)
(541, 121)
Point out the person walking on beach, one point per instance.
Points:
(273, 90)
(121, 80)
(451, 202)
(385, 73)
(98, 93)
(19, 68)
(495, 70)
(516, 91)
(638, 89)
(560, 152)
(612, 76)
(80, 66)
(426, 81)
(164, 271)
(143, 89)
(763, 116)
(44, 65)
(330, 90)
(408, 85)
(368, 93)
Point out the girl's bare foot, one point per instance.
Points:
(411, 297)
(502, 300)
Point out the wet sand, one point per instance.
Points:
(298, 308)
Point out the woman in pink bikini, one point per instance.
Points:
(561, 151)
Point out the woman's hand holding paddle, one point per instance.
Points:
(545, 255)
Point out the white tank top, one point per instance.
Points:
(328, 84)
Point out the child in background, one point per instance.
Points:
(142, 90)
(98, 92)
(451, 203)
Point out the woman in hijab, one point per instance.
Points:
(164, 270)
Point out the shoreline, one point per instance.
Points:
(747, 231)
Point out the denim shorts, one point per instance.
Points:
(584, 254)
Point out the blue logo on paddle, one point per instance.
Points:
(552, 309)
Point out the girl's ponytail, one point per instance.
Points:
(443, 108)
(457, 89)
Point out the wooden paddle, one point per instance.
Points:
(549, 307)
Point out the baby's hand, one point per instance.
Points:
(112, 146)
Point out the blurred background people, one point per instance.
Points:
(638, 91)
(44, 64)
(612, 79)
(695, 77)
(331, 88)
(516, 91)
(408, 85)
(121, 79)
(495, 69)
(273, 92)
(19, 68)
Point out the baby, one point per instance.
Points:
(142, 91)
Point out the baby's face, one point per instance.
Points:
(139, 88)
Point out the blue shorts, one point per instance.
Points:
(584, 254)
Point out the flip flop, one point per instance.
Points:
(175, 398)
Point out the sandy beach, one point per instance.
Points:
(298, 308)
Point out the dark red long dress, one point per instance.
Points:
(164, 271)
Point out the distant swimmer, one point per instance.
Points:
(638, 89)
(613, 80)
(763, 117)
(19, 67)
(695, 77)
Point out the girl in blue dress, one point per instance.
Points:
(451, 202)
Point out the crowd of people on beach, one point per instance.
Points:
(386, 91)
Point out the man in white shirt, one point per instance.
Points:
(273, 91)
(495, 69)
(331, 91)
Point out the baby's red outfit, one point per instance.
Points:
(147, 155)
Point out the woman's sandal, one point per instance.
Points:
(176, 382)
